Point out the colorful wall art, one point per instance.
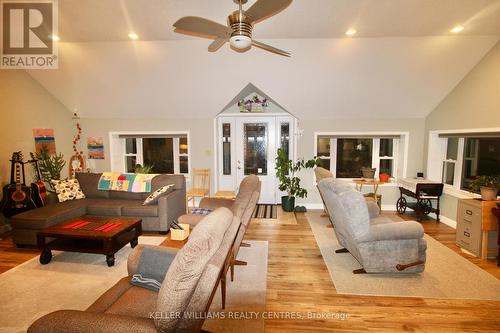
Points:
(95, 146)
(44, 137)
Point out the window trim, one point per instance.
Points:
(437, 148)
(117, 149)
(404, 137)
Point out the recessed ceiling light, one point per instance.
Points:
(133, 36)
(351, 32)
(55, 38)
(456, 29)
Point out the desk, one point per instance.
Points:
(375, 183)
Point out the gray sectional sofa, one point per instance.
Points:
(105, 203)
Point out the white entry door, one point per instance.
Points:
(247, 145)
(255, 153)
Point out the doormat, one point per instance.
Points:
(265, 211)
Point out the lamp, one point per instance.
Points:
(240, 42)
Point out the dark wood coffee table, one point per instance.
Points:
(102, 235)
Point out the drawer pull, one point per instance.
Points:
(468, 212)
(466, 234)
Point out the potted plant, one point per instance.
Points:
(488, 186)
(286, 171)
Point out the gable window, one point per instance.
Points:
(344, 156)
(467, 156)
(163, 152)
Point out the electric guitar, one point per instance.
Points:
(38, 189)
(16, 195)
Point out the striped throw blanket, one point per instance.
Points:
(127, 182)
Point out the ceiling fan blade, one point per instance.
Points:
(263, 9)
(217, 44)
(198, 26)
(271, 48)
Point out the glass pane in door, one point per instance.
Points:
(285, 138)
(226, 149)
(255, 136)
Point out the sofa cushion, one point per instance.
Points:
(50, 215)
(162, 191)
(158, 181)
(188, 265)
(124, 195)
(88, 183)
(133, 209)
(67, 189)
(110, 207)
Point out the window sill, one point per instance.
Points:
(461, 194)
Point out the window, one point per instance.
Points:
(465, 158)
(450, 161)
(345, 156)
(164, 153)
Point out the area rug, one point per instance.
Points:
(76, 280)
(245, 296)
(446, 275)
(265, 211)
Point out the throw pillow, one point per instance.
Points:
(153, 197)
(67, 189)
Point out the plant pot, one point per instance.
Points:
(288, 203)
(384, 177)
(368, 173)
(488, 193)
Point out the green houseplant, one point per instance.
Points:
(488, 186)
(50, 165)
(286, 171)
(143, 168)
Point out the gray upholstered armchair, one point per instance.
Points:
(379, 244)
(190, 278)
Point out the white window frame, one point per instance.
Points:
(399, 150)
(118, 149)
(437, 150)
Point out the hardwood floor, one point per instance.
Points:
(298, 281)
(298, 284)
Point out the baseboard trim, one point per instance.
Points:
(446, 220)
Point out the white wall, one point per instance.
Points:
(474, 103)
(25, 105)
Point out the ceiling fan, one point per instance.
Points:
(239, 29)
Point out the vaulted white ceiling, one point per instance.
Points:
(362, 77)
(402, 63)
(112, 20)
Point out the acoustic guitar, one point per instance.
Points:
(38, 189)
(16, 195)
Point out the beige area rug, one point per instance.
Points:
(245, 296)
(75, 280)
(446, 275)
(70, 281)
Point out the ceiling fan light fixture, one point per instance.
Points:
(240, 42)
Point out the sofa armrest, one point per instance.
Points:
(393, 231)
(83, 322)
(191, 219)
(136, 256)
(170, 207)
(373, 208)
(214, 203)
